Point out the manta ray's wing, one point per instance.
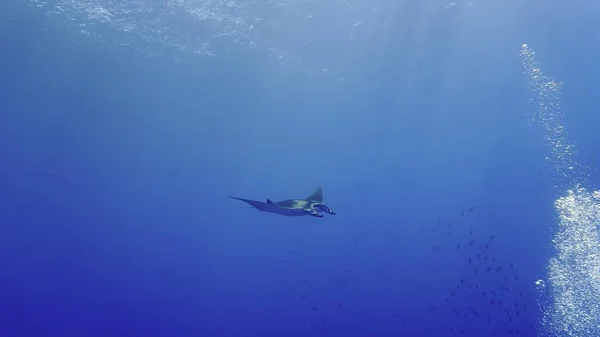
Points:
(261, 206)
(317, 195)
(274, 207)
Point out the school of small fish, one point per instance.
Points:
(487, 298)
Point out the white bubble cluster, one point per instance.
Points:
(574, 273)
(575, 270)
(549, 115)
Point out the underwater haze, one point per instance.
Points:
(456, 142)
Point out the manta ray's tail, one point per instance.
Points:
(241, 199)
(253, 203)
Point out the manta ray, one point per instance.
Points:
(313, 205)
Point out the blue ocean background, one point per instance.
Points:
(125, 125)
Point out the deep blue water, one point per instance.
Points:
(116, 165)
